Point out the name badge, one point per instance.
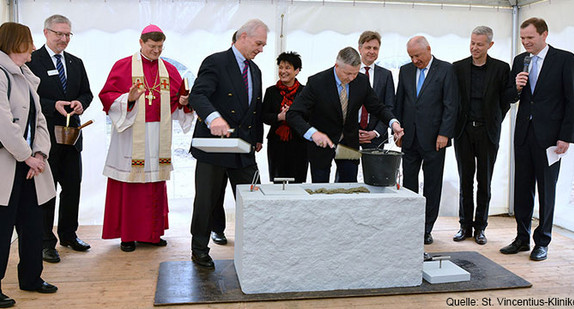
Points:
(52, 72)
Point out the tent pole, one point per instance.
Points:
(513, 111)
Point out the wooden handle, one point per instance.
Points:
(85, 124)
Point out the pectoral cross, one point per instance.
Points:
(149, 97)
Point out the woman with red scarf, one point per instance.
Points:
(286, 151)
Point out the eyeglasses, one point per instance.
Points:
(61, 34)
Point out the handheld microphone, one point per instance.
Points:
(527, 60)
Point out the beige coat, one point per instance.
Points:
(13, 120)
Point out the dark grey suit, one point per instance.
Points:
(425, 117)
(65, 160)
(219, 87)
(543, 118)
(384, 87)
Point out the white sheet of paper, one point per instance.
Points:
(552, 156)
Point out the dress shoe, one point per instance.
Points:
(539, 253)
(203, 260)
(479, 237)
(76, 244)
(516, 246)
(128, 246)
(462, 234)
(50, 255)
(219, 238)
(160, 243)
(428, 239)
(5, 301)
(45, 288)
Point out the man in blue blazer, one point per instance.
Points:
(426, 106)
(326, 113)
(372, 131)
(545, 119)
(64, 88)
(226, 94)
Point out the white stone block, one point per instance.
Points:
(302, 242)
(447, 271)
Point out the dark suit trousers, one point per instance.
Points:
(474, 152)
(532, 167)
(208, 187)
(218, 215)
(24, 213)
(66, 164)
(287, 159)
(346, 172)
(433, 168)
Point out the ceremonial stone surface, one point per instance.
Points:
(321, 242)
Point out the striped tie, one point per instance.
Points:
(244, 74)
(61, 72)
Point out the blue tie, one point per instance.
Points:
(61, 72)
(533, 77)
(421, 81)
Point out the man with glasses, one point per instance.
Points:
(141, 96)
(64, 89)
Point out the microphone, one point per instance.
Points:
(527, 60)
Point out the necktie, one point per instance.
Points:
(533, 77)
(244, 74)
(61, 72)
(364, 114)
(344, 101)
(421, 81)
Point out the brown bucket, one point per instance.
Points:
(68, 135)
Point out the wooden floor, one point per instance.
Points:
(106, 277)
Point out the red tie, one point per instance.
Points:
(364, 114)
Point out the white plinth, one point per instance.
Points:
(302, 242)
(229, 145)
(434, 272)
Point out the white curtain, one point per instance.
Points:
(105, 31)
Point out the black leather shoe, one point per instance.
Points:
(462, 234)
(219, 238)
(203, 260)
(128, 246)
(76, 244)
(428, 239)
(45, 288)
(6, 302)
(479, 237)
(539, 253)
(160, 243)
(50, 255)
(516, 246)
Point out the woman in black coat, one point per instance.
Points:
(286, 151)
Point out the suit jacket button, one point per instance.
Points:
(249, 127)
(233, 111)
(254, 113)
(239, 126)
(229, 94)
(531, 102)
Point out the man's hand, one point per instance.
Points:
(258, 147)
(561, 147)
(521, 80)
(135, 93)
(77, 107)
(441, 142)
(61, 107)
(398, 131)
(322, 140)
(183, 100)
(365, 137)
(219, 127)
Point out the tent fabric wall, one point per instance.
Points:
(105, 31)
